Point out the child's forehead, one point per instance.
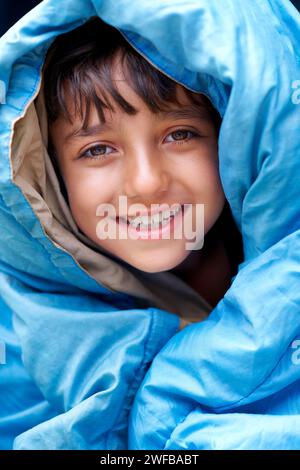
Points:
(186, 110)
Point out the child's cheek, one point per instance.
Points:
(87, 189)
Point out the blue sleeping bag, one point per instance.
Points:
(83, 366)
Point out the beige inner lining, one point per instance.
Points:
(34, 174)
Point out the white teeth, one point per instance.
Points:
(155, 220)
(166, 214)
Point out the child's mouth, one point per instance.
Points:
(161, 225)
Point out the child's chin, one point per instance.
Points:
(157, 265)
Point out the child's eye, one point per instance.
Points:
(182, 135)
(97, 152)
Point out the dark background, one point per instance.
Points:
(12, 10)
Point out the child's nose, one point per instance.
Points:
(146, 175)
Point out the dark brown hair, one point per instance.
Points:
(83, 60)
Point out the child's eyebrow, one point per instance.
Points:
(187, 112)
(89, 131)
(184, 112)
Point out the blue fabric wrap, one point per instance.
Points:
(82, 356)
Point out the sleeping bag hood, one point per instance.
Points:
(80, 328)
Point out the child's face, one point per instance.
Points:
(140, 156)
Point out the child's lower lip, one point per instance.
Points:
(154, 234)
